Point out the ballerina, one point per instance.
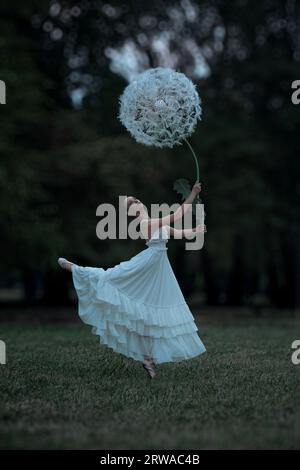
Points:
(137, 307)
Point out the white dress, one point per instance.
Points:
(137, 307)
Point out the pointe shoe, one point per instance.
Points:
(149, 367)
(63, 263)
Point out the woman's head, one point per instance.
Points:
(135, 207)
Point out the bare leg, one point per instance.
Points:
(148, 364)
(65, 264)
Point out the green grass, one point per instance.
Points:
(60, 389)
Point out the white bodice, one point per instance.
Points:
(159, 238)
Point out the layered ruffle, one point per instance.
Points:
(131, 327)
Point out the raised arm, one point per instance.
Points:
(153, 224)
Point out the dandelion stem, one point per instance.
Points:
(195, 158)
(198, 200)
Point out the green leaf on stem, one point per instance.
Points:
(182, 187)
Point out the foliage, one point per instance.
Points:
(248, 56)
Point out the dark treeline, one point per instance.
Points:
(63, 150)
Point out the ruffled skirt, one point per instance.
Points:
(137, 308)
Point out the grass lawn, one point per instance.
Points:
(61, 390)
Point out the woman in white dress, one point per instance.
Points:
(137, 307)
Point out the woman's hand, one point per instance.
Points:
(193, 194)
(196, 188)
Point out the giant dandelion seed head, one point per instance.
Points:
(160, 107)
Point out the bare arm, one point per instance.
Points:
(188, 233)
(154, 224)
